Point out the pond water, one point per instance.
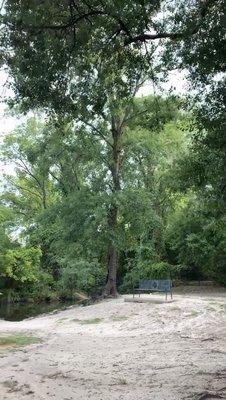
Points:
(20, 311)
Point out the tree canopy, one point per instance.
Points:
(106, 181)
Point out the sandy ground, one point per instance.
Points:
(151, 350)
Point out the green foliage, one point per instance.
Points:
(5, 241)
(82, 275)
(196, 238)
(155, 219)
(7, 218)
(157, 270)
(43, 289)
(17, 340)
(20, 265)
(107, 170)
(91, 321)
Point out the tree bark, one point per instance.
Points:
(111, 285)
(115, 162)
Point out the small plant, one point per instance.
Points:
(194, 313)
(90, 321)
(119, 318)
(175, 309)
(122, 381)
(62, 320)
(213, 302)
(11, 384)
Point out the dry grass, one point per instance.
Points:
(119, 318)
(193, 313)
(90, 321)
(175, 308)
(12, 341)
(122, 381)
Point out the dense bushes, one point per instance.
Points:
(81, 275)
(20, 265)
(19, 271)
(159, 270)
(44, 289)
(22, 277)
(197, 238)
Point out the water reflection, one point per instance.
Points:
(20, 311)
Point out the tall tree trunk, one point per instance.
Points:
(158, 231)
(115, 161)
(110, 288)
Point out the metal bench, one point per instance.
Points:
(150, 286)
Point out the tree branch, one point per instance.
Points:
(129, 39)
(70, 23)
(146, 36)
(143, 37)
(27, 190)
(96, 131)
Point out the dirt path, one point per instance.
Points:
(121, 350)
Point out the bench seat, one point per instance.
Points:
(154, 285)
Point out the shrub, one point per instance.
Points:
(44, 289)
(160, 270)
(82, 275)
(20, 265)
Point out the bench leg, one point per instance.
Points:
(139, 294)
(171, 294)
(166, 295)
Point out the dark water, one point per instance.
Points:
(20, 311)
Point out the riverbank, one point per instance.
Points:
(20, 311)
(121, 350)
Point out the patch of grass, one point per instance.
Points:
(19, 340)
(90, 321)
(119, 318)
(122, 381)
(175, 308)
(12, 385)
(62, 320)
(210, 299)
(193, 313)
(213, 302)
(9, 341)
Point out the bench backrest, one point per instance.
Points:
(161, 285)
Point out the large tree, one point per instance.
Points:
(85, 61)
(94, 93)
